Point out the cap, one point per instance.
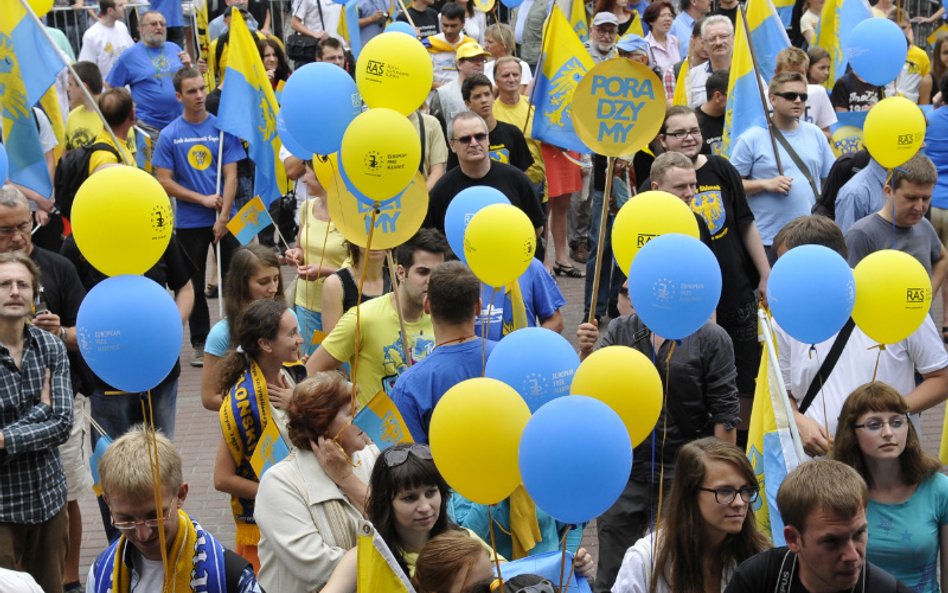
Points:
(471, 49)
(605, 18)
(632, 43)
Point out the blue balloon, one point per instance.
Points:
(876, 49)
(575, 458)
(129, 332)
(674, 285)
(539, 363)
(462, 208)
(289, 142)
(811, 292)
(319, 101)
(4, 165)
(401, 27)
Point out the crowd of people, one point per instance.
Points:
(870, 513)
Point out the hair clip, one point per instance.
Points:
(240, 349)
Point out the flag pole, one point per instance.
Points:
(217, 244)
(601, 245)
(82, 87)
(771, 352)
(760, 89)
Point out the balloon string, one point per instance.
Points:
(819, 364)
(875, 369)
(310, 304)
(493, 546)
(152, 451)
(661, 464)
(485, 326)
(569, 577)
(358, 328)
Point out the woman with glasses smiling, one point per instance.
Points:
(908, 495)
(708, 529)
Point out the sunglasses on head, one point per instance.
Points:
(396, 457)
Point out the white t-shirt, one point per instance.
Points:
(819, 108)
(922, 351)
(14, 581)
(308, 12)
(103, 45)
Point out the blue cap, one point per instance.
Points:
(632, 43)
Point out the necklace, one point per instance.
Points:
(455, 340)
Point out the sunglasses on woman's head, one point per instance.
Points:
(396, 457)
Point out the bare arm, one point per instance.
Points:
(725, 434)
(227, 200)
(211, 398)
(179, 192)
(332, 302)
(321, 361)
(226, 478)
(184, 299)
(779, 184)
(554, 322)
(298, 26)
(755, 247)
(930, 392)
(434, 174)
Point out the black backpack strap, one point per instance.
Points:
(828, 365)
(796, 160)
(421, 131)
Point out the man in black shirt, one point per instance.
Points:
(851, 93)
(468, 139)
(711, 112)
(423, 18)
(823, 507)
(506, 143)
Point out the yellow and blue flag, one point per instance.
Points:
(772, 446)
(744, 106)
(270, 449)
(249, 108)
(143, 143)
(21, 87)
(349, 26)
(838, 19)
(378, 570)
(578, 20)
(53, 109)
(565, 62)
(382, 422)
(767, 33)
(249, 221)
(785, 12)
(100, 446)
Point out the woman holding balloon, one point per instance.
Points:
(709, 529)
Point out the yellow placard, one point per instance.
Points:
(618, 107)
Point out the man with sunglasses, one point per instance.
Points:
(468, 138)
(805, 158)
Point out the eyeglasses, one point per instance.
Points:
(477, 60)
(396, 457)
(680, 134)
(23, 228)
(155, 24)
(791, 96)
(607, 31)
(478, 137)
(726, 494)
(150, 523)
(876, 425)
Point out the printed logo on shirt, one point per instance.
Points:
(162, 65)
(499, 153)
(109, 49)
(711, 208)
(79, 137)
(199, 157)
(394, 361)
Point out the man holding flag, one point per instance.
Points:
(196, 163)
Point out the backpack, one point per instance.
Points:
(845, 167)
(72, 171)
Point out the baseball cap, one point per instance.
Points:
(471, 49)
(605, 18)
(632, 43)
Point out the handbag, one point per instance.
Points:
(301, 48)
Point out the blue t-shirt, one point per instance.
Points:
(904, 538)
(936, 148)
(171, 10)
(190, 151)
(418, 389)
(148, 72)
(541, 299)
(753, 157)
(217, 342)
(368, 8)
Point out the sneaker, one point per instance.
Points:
(197, 357)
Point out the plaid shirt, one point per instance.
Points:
(32, 482)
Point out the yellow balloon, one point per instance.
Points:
(893, 295)
(394, 70)
(618, 107)
(625, 380)
(396, 220)
(894, 131)
(646, 216)
(380, 152)
(41, 7)
(475, 437)
(326, 168)
(122, 220)
(499, 243)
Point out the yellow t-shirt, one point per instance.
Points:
(381, 352)
(83, 126)
(309, 293)
(918, 60)
(104, 157)
(411, 558)
(519, 115)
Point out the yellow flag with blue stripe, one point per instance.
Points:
(785, 12)
(382, 422)
(22, 85)
(838, 19)
(248, 110)
(249, 221)
(578, 20)
(270, 449)
(767, 33)
(744, 106)
(565, 62)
